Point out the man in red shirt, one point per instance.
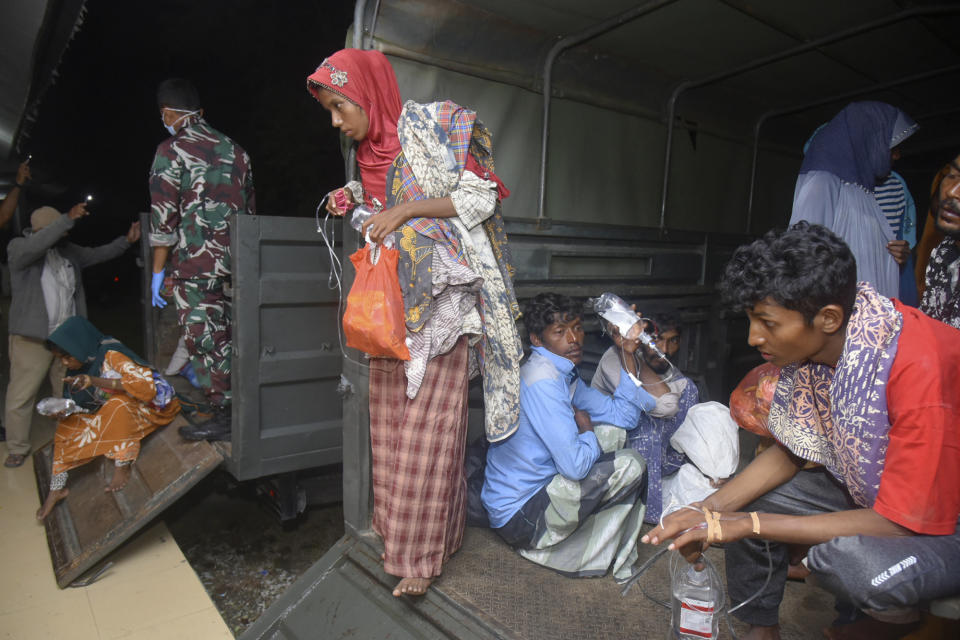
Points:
(868, 389)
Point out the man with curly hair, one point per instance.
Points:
(868, 389)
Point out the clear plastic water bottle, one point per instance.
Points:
(695, 602)
(361, 214)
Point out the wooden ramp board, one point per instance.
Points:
(90, 523)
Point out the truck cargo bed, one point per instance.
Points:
(489, 591)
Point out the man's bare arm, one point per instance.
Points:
(820, 528)
(768, 471)
(160, 258)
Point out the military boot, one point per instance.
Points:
(219, 427)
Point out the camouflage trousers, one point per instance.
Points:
(205, 315)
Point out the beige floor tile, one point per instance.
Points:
(19, 489)
(203, 625)
(28, 581)
(22, 532)
(69, 618)
(121, 606)
(150, 592)
(149, 551)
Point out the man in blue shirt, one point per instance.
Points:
(562, 490)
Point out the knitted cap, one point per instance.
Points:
(43, 217)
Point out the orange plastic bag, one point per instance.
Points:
(750, 401)
(374, 319)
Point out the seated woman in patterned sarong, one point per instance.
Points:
(563, 490)
(127, 401)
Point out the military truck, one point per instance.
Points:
(642, 143)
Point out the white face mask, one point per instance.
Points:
(172, 127)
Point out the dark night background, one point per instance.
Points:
(98, 125)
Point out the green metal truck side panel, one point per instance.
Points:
(346, 594)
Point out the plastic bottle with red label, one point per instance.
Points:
(695, 602)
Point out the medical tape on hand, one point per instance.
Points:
(714, 530)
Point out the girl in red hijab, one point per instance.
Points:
(427, 170)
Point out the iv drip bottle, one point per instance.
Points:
(695, 603)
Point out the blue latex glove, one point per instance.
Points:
(191, 375)
(156, 283)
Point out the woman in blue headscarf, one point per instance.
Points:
(844, 162)
(126, 400)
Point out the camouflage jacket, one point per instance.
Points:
(199, 178)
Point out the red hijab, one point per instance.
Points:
(366, 79)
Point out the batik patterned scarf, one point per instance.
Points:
(837, 416)
(459, 133)
(436, 140)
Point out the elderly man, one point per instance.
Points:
(868, 389)
(674, 394)
(562, 490)
(46, 289)
(941, 296)
(200, 178)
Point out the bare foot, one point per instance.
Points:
(120, 477)
(53, 498)
(412, 586)
(762, 633)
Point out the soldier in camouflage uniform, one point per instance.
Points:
(199, 178)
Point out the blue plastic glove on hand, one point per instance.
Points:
(191, 375)
(156, 283)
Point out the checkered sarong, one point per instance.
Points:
(419, 488)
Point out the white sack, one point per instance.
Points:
(710, 438)
(686, 486)
(178, 360)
